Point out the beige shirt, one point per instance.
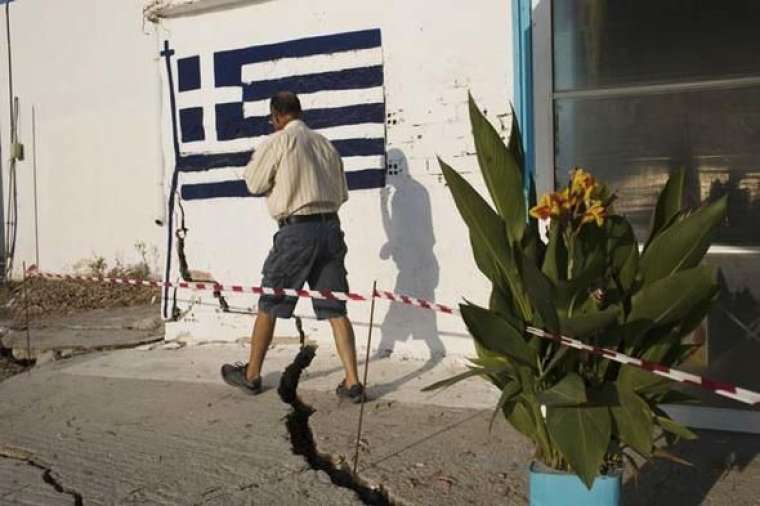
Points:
(299, 171)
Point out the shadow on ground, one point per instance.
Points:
(719, 461)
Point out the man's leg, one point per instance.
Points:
(345, 343)
(261, 338)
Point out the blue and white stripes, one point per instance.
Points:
(223, 107)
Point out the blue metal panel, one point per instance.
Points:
(522, 31)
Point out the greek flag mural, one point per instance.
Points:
(219, 109)
(338, 77)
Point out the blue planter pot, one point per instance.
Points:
(555, 488)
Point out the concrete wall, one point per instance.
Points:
(89, 69)
(432, 54)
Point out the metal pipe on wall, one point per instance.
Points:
(10, 94)
(34, 172)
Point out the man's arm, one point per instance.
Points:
(260, 171)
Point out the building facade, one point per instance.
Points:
(144, 115)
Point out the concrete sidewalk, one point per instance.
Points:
(157, 426)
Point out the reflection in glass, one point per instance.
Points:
(607, 43)
(635, 142)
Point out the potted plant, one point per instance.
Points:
(585, 414)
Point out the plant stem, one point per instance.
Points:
(570, 242)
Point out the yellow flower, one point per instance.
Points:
(553, 205)
(565, 200)
(595, 212)
(543, 209)
(583, 185)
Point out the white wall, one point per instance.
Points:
(89, 68)
(433, 53)
(93, 71)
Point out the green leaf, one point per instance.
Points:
(486, 229)
(676, 397)
(485, 262)
(558, 356)
(555, 259)
(674, 427)
(679, 353)
(682, 245)
(489, 360)
(521, 418)
(532, 245)
(664, 454)
(510, 391)
(515, 144)
(496, 334)
(657, 347)
(587, 324)
(569, 391)
(696, 316)
(632, 378)
(673, 298)
(575, 292)
(539, 290)
(589, 251)
(475, 371)
(623, 251)
(502, 173)
(500, 301)
(633, 420)
(669, 203)
(497, 362)
(582, 435)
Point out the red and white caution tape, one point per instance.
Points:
(197, 285)
(724, 389)
(421, 303)
(257, 290)
(32, 273)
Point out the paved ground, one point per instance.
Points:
(141, 441)
(92, 330)
(157, 426)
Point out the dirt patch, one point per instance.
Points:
(46, 297)
(39, 299)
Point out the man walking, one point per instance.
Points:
(301, 174)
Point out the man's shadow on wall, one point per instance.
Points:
(408, 224)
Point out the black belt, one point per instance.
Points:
(305, 218)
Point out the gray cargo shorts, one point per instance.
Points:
(312, 252)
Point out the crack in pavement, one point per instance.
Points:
(20, 455)
(302, 438)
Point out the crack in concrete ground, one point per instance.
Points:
(47, 473)
(302, 438)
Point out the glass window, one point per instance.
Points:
(634, 142)
(643, 87)
(605, 43)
